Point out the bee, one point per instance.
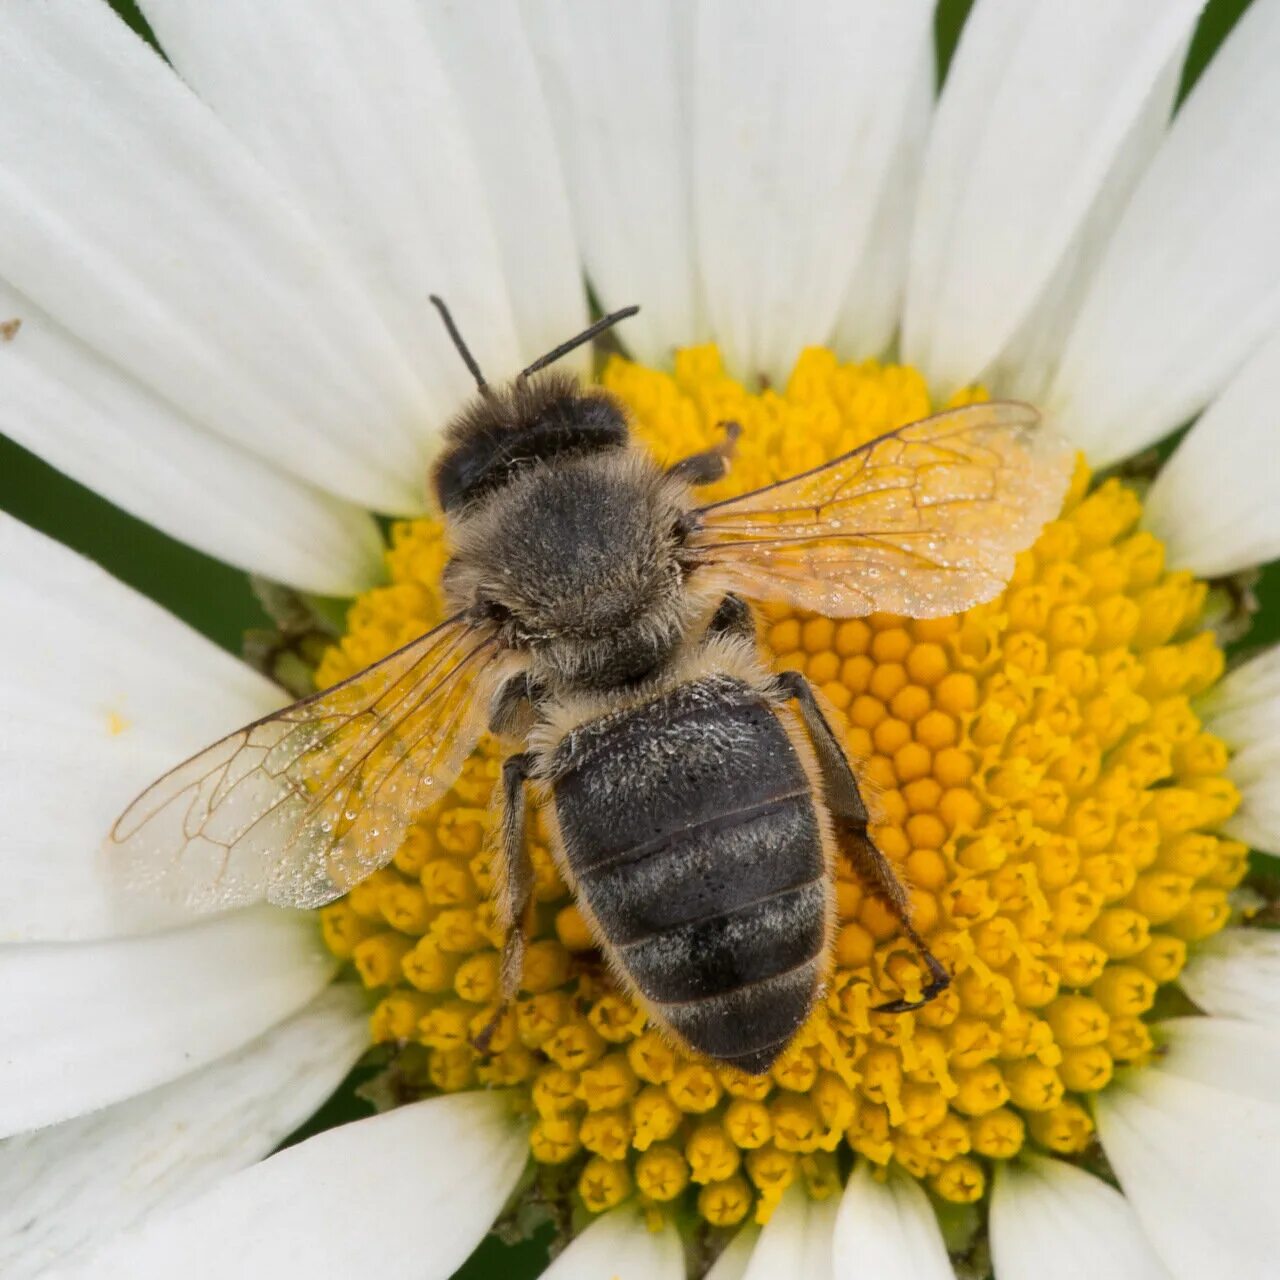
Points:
(600, 622)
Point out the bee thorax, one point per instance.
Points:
(578, 561)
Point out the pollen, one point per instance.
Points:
(1038, 776)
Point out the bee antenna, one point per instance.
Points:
(605, 322)
(467, 358)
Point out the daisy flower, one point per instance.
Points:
(214, 278)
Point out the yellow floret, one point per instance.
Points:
(1041, 782)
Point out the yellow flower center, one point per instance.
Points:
(1043, 786)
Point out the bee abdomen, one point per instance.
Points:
(705, 871)
(692, 834)
(723, 929)
(749, 1026)
(734, 949)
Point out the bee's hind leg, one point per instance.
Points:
(733, 617)
(844, 800)
(514, 888)
(711, 464)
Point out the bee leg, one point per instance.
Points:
(711, 464)
(733, 617)
(515, 888)
(510, 714)
(844, 800)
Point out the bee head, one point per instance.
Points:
(532, 419)
(503, 433)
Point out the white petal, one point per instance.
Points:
(67, 1189)
(733, 1261)
(87, 1024)
(888, 1230)
(1242, 706)
(1213, 502)
(131, 216)
(486, 52)
(1236, 974)
(1199, 1165)
(401, 1196)
(617, 77)
(1052, 1221)
(1244, 710)
(1242, 1058)
(102, 428)
(354, 110)
(797, 1240)
(873, 302)
(1255, 770)
(1029, 359)
(798, 113)
(101, 691)
(1190, 284)
(620, 1246)
(1038, 101)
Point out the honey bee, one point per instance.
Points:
(697, 800)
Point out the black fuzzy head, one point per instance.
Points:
(578, 562)
(533, 420)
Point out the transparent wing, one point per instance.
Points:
(302, 805)
(923, 521)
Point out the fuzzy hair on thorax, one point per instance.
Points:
(578, 562)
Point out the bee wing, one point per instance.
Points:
(302, 805)
(923, 521)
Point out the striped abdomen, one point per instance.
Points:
(690, 830)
